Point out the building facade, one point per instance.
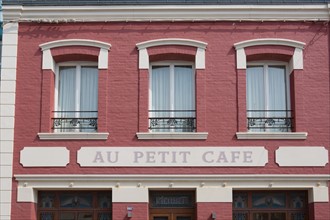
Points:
(164, 110)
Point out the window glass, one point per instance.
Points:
(267, 98)
(77, 99)
(172, 104)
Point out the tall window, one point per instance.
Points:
(76, 98)
(268, 99)
(172, 98)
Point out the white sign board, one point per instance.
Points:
(172, 156)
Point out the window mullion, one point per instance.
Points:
(78, 91)
(172, 88)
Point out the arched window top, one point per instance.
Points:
(171, 41)
(75, 42)
(296, 61)
(269, 41)
(144, 56)
(48, 59)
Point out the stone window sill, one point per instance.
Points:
(272, 135)
(172, 135)
(73, 136)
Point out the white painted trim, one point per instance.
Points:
(133, 194)
(75, 42)
(171, 41)
(272, 135)
(7, 105)
(172, 135)
(315, 12)
(143, 59)
(49, 63)
(304, 156)
(295, 63)
(28, 185)
(144, 56)
(44, 157)
(73, 136)
(214, 194)
(269, 41)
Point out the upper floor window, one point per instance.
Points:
(172, 97)
(268, 97)
(76, 98)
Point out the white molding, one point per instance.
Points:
(133, 194)
(306, 156)
(272, 135)
(144, 56)
(172, 135)
(74, 136)
(214, 194)
(269, 41)
(171, 41)
(75, 42)
(295, 63)
(7, 114)
(315, 12)
(29, 184)
(44, 157)
(49, 63)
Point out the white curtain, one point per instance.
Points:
(184, 89)
(266, 93)
(89, 91)
(67, 92)
(160, 91)
(173, 92)
(78, 92)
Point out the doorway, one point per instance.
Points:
(172, 205)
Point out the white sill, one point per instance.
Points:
(172, 135)
(73, 136)
(272, 135)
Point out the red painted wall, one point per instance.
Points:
(217, 88)
(123, 95)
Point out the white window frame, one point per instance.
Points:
(265, 64)
(172, 65)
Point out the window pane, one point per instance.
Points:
(277, 216)
(76, 201)
(160, 90)
(276, 89)
(240, 200)
(104, 216)
(47, 200)
(46, 216)
(85, 216)
(255, 90)
(67, 216)
(104, 201)
(240, 216)
(260, 216)
(263, 200)
(89, 91)
(67, 91)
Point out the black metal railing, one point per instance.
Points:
(172, 120)
(75, 121)
(270, 120)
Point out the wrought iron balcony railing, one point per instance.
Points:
(172, 120)
(75, 121)
(270, 120)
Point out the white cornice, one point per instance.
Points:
(167, 13)
(172, 177)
